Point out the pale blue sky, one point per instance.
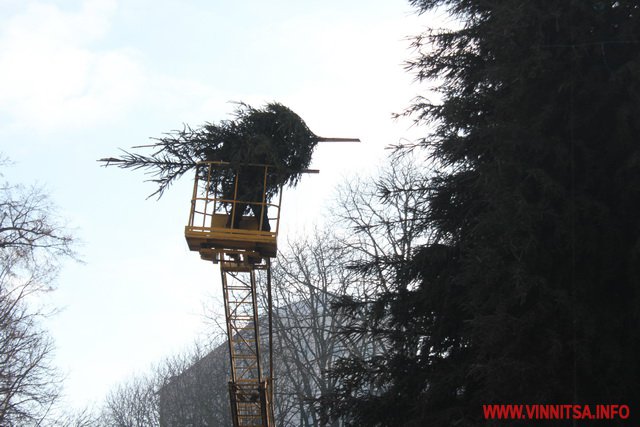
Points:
(79, 79)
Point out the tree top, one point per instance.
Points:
(272, 135)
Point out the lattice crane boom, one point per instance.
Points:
(242, 246)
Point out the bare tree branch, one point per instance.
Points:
(32, 243)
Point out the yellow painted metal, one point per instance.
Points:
(212, 216)
(249, 386)
(243, 248)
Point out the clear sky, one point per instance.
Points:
(81, 78)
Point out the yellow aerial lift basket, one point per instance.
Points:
(232, 210)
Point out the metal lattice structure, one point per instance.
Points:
(250, 387)
(242, 245)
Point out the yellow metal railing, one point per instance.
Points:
(221, 196)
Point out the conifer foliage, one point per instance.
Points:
(273, 135)
(528, 290)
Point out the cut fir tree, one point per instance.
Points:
(272, 135)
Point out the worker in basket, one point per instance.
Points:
(272, 135)
(250, 194)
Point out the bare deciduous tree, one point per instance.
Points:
(132, 404)
(74, 418)
(32, 243)
(374, 231)
(377, 220)
(307, 280)
(186, 389)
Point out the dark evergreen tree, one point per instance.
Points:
(528, 289)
